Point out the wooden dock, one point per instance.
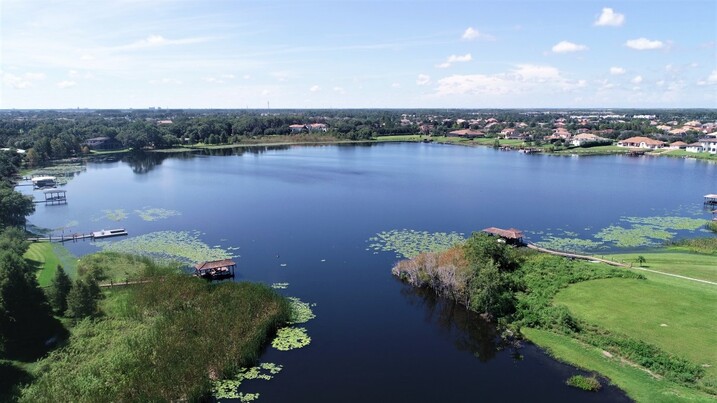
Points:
(80, 236)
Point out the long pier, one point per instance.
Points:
(80, 236)
(576, 256)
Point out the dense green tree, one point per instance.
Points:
(12, 239)
(14, 207)
(80, 300)
(60, 288)
(491, 290)
(25, 318)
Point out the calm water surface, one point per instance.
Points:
(313, 209)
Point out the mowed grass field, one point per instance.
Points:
(679, 316)
(46, 256)
(638, 384)
(696, 265)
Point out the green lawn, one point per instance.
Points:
(407, 137)
(46, 256)
(700, 156)
(696, 265)
(599, 150)
(673, 314)
(637, 383)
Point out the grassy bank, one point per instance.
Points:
(684, 154)
(45, 256)
(672, 316)
(160, 341)
(675, 261)
(636, 382)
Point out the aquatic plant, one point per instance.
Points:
(667, 223)
(112, 215)
(410, 243)
(289, 338)
(570, 244)
(280, 286)
(639, 235)
(183, 246)
(300, 311)
(62, 172)
(584, 382)
(229, 388)
(154, 214)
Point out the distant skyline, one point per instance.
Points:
(357, 54)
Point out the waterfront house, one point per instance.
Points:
(297, 128)
(641, 142)
(678, 145)
(588, 138)
(694, 148)
(709, 145)
(102, 143)
(317, 127)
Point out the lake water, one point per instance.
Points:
(303, 215)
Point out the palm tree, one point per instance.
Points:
(641, 260)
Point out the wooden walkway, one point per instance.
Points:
(613, 263)
(123, 283)
(576, 256)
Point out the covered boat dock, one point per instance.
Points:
(215, 270)
(511, 236)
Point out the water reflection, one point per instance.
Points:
(466, 329)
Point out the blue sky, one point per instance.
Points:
(355, 54)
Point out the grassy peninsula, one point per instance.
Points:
(165, 339)
(650, 333)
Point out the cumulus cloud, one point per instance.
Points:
(340, 90)
(154, 41)
(609, 18)
(314, 88)
(616, 71)
(471, 34)
(165, 81)
(568, 47)
(66, 84)
(636, 80)
(23, 81)
(455, 59)
(644, 44)
(521, 79)
(396, 85)
(423, 79)
(712, 79)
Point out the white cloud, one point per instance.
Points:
(66, 84)
(154, 41)
(228, 76)
(568, 47)
(395, 85)
(455, 59)
(423, 79)
(165, 81)
(246, 76)
(616, 71)
(213, 80)
(609, 18)
(712, 79)
(23, 81)
(644, 44)
(636, 80)
(524, 78)
(314, 88)
(340, 90)
(265, 92)
(471, 34)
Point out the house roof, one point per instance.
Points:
(214, 264)
(679, 144)
(645, 140)
(510, 233)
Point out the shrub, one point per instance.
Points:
(585, 383)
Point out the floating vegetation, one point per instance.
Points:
(570, 244)
(68, 225)
(113, 215)
(674, 223)
(154, 214)
(640, 235)
(62, 172)
(183, 246)
(280, 286)
(410, 243)
(300, 311)
(289, 338)
(229, 388)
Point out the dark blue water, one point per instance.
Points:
(375, 338)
